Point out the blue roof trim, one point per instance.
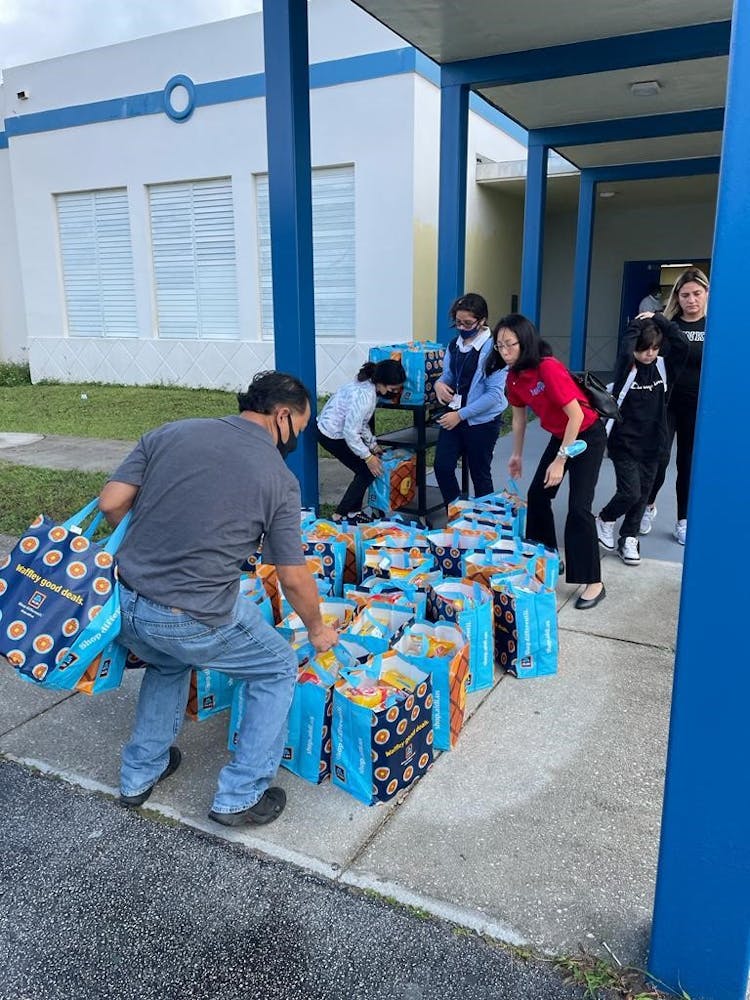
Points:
(355, 69)
(426, 67)
(237, 88)
(87, 114)
(693, 167)
(479, 106)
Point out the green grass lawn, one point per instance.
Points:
(109, 411)
(27, 492)
(123, 412)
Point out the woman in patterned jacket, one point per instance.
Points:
(344, 430)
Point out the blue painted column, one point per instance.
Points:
(533, 230)
(701, 931)
(290, 198)
(582, 272)
(454, 132)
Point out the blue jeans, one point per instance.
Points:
(174, 643)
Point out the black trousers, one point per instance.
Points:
(581, 543)
(353, 499)
(681, 417)
(475, 444)
(635, 478)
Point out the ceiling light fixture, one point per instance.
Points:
(607, 194)
(645, 88)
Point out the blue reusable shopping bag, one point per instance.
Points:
(449, 546)
(377, 753)
(378, 625)
(396, 486)
(525, 617)
(448, 666)
(211, 692)
(60, 603)
(331, 553)
(468, 605)
(510, 495)
(423, 364)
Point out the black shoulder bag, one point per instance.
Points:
(601, 400)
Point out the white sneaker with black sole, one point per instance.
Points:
(629, 551)
(646, 521)
(605, 532)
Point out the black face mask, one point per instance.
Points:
(286, 447)
(390, 394)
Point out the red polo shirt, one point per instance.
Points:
(546, 390)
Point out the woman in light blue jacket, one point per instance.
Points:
(475, 400)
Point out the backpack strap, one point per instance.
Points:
(621, 395)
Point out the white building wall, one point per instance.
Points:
(13, 338)
(494, 221)
(368, 124)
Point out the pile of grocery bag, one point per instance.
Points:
(423, 618)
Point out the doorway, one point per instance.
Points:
(640, 276)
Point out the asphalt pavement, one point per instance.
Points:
(96, 901)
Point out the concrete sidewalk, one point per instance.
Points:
(541, 827)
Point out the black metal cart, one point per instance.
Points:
(418, 438)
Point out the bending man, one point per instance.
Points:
(203, 494)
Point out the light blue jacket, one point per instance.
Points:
(486, 397)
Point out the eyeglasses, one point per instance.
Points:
(503, 345)
(464, 324)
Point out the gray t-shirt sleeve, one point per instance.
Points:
(132, 469)
(282, 543)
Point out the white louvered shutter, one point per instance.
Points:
(195, 271)
(97, 263)
(333, 252)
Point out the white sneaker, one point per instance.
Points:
(629, 551)
(680, 531)
(605, 532)
(648, 515)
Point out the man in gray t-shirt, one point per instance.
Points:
(202, 495)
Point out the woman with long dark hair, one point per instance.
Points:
(344, 430)
(538, 380)
(686, 307)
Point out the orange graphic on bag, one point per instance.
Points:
(403, 483)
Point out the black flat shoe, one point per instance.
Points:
(583, 604)
(132, 801)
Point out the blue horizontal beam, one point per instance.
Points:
(694, 167)
(695, 41)
(87, 114)
(619, 129)
(332, 73)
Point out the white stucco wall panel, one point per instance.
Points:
(426, 171)
(224, 140)
(13, 335)
(494, 222)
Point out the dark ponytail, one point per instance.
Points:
(388, 372)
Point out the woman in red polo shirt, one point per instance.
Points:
(539, 380)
